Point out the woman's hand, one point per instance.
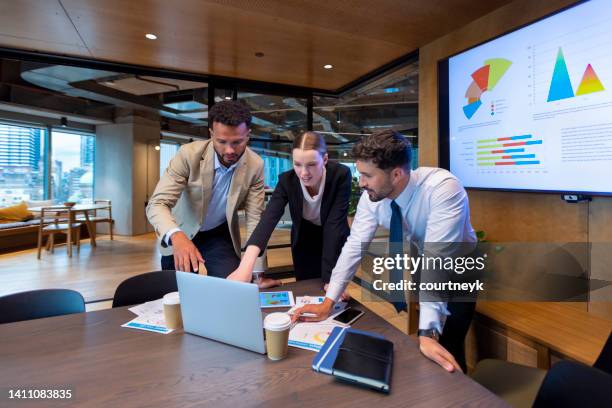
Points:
(244, 272)
(265, 283)
(241, 275)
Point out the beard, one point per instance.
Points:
(230, 159)
(381, 194)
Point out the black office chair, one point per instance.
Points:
(569, 384)
(144, 288)
(520, 386)
(36, 304)
(604, 361)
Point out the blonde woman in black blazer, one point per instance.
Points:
(318, 193)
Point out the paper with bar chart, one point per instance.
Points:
(532, 110)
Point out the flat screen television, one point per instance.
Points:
(531, 110)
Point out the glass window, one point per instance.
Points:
(72, 166)
(387, 102)
(353, 167)
(22, 166)
(166, 153)
(277, 120)
(273, 167)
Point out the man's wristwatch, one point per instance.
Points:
(431, 333)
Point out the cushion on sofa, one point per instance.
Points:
(14, 213)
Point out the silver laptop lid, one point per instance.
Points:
(222, 310)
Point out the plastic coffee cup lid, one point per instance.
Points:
(277, 321)
(172, 298)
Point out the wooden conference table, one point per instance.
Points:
(107, 365)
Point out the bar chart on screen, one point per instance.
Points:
(508, 152)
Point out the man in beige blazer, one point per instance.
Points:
(194, 206)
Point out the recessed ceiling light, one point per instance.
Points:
(151, 36)
(344, 154)
(157, 147)
(328, 66)
(228, 98)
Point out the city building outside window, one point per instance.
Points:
(22, 159)
(72, 166)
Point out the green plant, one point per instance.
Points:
(355, 194)
(481, 235)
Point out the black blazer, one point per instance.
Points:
(334, 213)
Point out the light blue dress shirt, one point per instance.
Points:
(215, 215)
(218, 200)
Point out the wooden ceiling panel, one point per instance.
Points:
(39, 25)
(210, 38)
(221, 37)
(411, 23)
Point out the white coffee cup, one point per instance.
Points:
(276, 326)
(172, 311)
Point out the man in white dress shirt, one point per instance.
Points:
(426, 205)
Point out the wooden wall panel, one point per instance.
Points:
(600, 234)
(527, 217)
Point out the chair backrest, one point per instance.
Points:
(54, 215)
(571, 384)
(107, 210)
(144, 288)
(36, 304)
(604, 361)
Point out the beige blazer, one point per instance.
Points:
(183, 193)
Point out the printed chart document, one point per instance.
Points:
(310, 336)
(150, 317)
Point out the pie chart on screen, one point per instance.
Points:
(484, 79)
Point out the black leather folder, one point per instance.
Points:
(365, 360)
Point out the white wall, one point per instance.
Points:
(127, 170)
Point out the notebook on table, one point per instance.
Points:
(365, 360)
(358, 357)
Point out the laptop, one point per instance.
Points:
(222, 310)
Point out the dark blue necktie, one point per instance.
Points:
(396, 246)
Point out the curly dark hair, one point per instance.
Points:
(386, 148)
(230, 113)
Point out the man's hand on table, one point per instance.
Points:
(186, 255)
(428, 346)
(320, 312)
(437, 353)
